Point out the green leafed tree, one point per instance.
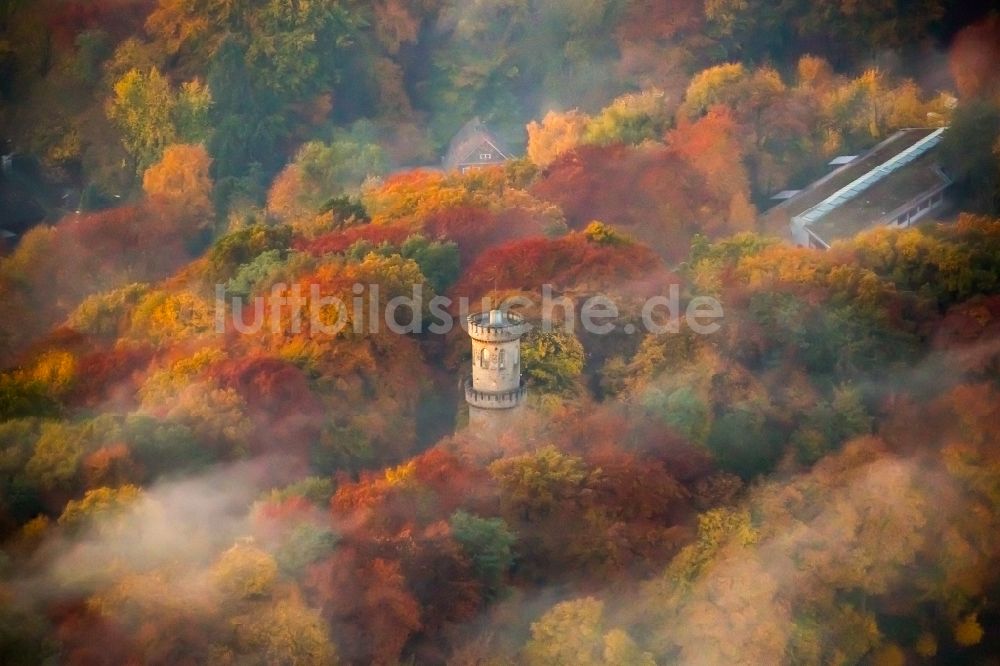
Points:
(21, 396)
(744, 441)
(191, 113)
(487, 542)
(162, 447)
(970, 152)
(92, 48)
(438, 260)
(831, 423)
(306, 543)
(56, 457)
(682, 410)
(243, 246)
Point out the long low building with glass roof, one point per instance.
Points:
(895, 183)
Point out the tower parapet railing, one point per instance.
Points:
(505, 328)
(494, 399)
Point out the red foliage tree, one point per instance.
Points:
(570, 261)
(475, 229)
(111, 466)
(607, 433)
(652, 191)
(274, 519)
(428, 488)
(269, 384)
(96, 252)
(439, 576)
(284, 409)
(119, 18)
(109, 377)
(394, 527)
(86, 637)
(592, 182)
(371, 612)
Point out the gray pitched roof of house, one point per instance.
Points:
(468, 139)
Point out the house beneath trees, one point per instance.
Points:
(475, 147)
(895, 184)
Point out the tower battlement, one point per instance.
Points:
(496, 326)
(493, 400)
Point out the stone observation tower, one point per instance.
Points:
(494, 392)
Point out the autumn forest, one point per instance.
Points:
(815, 482)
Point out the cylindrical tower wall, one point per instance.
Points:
(496, 366)
(490, 423)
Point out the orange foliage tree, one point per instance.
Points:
(181, 181)
(973, 57)
(711, 145)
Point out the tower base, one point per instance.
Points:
(490, 424)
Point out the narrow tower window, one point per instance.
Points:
(484, 358)
(502, 359)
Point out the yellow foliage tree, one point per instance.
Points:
(142, 107)
(558, 133)
(631, 118)
(968, 631)
(105, 314)
(245, 571)
(214, 414)
(571, 632)
(99, 504)
(413, 196)
(711, 86)
(926, 645)
(34, 531)
(163, 316)
(55, 370)
(889, 655)
(163, 386)
(286, 633)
